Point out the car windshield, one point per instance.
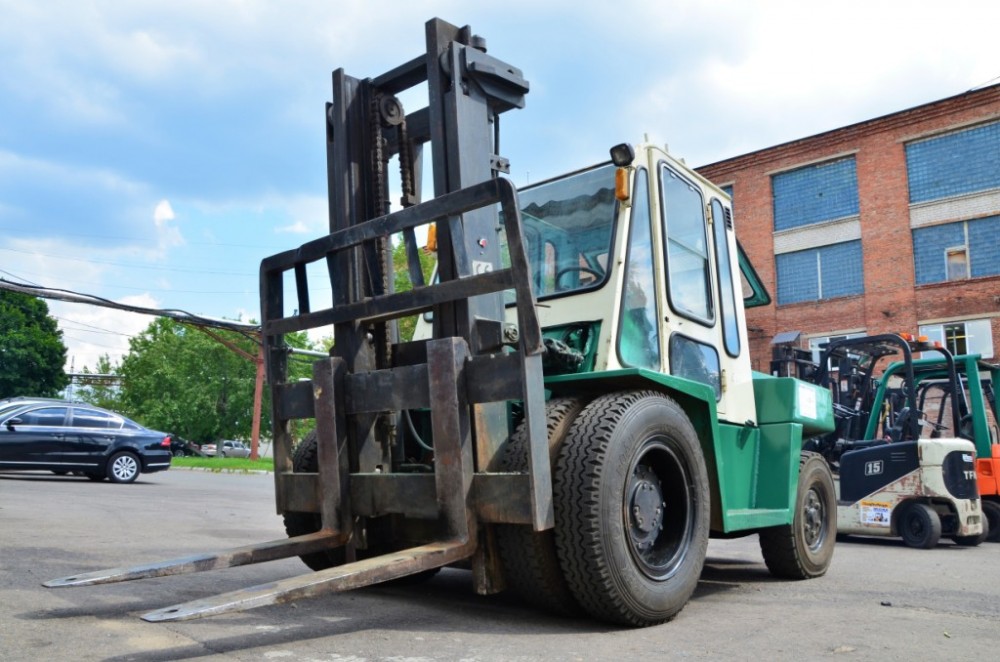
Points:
(568, 226)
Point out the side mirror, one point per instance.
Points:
(12, 422)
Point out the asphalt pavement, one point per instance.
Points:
(879, 601)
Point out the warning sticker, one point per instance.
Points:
(807, 401)
(876, 513)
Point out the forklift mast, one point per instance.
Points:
(371, 380)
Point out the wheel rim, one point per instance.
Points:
(915, 525)
(814, 520)
(124, 467)
(659, 510)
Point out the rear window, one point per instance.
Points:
(92, 418)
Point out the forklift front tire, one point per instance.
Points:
(804, 548)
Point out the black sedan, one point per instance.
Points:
(64, 437)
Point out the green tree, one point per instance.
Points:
(32, 352)
(180, 380)
(402, 282)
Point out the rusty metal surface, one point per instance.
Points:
(383, 390)
(335, 506)
(452, 436)
(299, 492)
(412, 495)
(341, 578)
(293, 400)
(268, 551)
(503, 498)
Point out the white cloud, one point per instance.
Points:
(168, 236)
(163, 213)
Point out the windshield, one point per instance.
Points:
(568, 226)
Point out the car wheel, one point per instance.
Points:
(123, 467)
(223, 454)
(178, 453)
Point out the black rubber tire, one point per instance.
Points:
(920, 526)
(804, 548)
(306, 459)
(627, 555)
(178, 453)
(123, 467)
(530, 562)
(991, 510)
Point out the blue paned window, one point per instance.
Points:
(820, 273)
(957, 163)
(957, 250)
(816, 193)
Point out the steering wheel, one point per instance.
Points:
(585, 270)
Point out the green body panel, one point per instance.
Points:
(753, 470)
(788, 400)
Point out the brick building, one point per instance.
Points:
(892, 224)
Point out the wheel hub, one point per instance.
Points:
(813, 515)
(646, 506)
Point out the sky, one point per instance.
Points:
(153, 152)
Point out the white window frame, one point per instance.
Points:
(951, 250)
(978, 335)
(815, 342)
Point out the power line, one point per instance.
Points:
(97, 329)
(247, 330)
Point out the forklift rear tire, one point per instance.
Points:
(305, 459)
(920, 526)
(530, 563)
(991, 509)
(632, 508)
(804, 548)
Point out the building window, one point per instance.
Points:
(816, 345)
(957, 260)
(955, 251)
(814, 194)
(968, 337)
(954, 164)
(820, 273)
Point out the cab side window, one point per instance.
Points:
(689, 286)
(638, 336)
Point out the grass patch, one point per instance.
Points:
(225, 463)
